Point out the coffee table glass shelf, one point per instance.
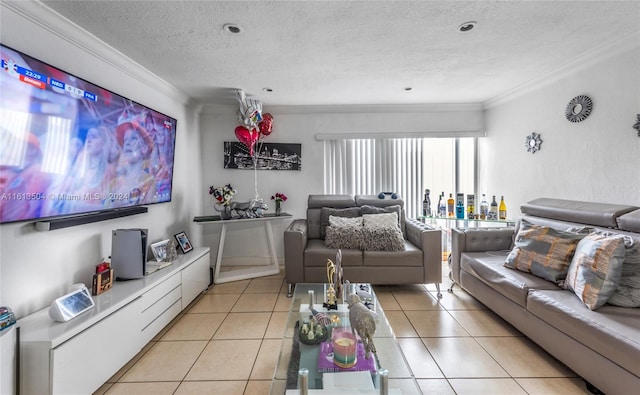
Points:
(389, 355)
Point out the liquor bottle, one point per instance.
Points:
(442, 206)
(450, 206)
(471, 206)
(426, 204)
(502, 209)
(460, 206)
(484, 207)
(493, 211)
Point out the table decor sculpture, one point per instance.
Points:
(363, 322)
(312, 331)
(334, 279)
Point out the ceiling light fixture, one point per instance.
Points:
(467, 26)
(408, 88)
(267, 89)
(232, 28)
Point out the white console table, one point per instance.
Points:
(78, 356)
(250, 272)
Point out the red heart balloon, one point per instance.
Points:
(266, 125)
(247, 137)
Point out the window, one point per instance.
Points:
(406, 166)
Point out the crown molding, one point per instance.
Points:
(50, 20)
(626, 43)
(351, 109)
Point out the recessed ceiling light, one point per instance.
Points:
(232, 28)
(467, 26)
(267, 89)
(408, 88)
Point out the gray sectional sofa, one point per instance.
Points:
(417, 262)
(600, 345)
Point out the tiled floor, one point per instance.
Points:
(227, 343)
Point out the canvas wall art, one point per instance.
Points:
(267, 156)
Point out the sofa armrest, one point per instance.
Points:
(478, 240)
(429, 241)
(296, 236)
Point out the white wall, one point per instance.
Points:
(301, 125)
(36, 267)
(596, 160)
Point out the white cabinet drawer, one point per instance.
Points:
(195, 279)
(97, 353)
(157, 292)
(160, 322)
(154, 311)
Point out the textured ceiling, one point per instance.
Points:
(353, 52)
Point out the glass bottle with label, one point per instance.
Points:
(471, 206)
(484, 207)
(493, 211)
(442, 206)
(426, 204)
(460, 205)
(451, 206)
(502, 209)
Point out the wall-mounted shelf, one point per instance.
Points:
(58, 223)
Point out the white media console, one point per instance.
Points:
(78, 356)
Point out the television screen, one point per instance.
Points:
(69, 147)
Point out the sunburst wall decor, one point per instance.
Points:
(533, 142)
(636, 126)
(579, 108)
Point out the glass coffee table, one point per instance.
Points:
(295, 355)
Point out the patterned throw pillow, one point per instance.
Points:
(344, 221)
(627, 294)
(543, 251)
(344, 237)
(596, 267)
(382, 239)
(326, 212)
(396, 208)
(388, 220)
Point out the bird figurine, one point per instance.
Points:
(363, 322)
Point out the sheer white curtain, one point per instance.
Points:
(371, 166)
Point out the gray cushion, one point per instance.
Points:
(488, 267)
(596, 268)
(630, 221)
(316, 254)
(627, 294)
(382, 239)
(611, 331)
(599, 214)
(344, 237)
(325, 212)
(543, 251)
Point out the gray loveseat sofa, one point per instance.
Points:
(600, 345)
(418, 262)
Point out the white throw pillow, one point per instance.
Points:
(344, 221)
(387, 220)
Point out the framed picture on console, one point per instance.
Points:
(183, 242)
(159, 250)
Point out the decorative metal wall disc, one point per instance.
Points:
(533, 142)
(579, 108)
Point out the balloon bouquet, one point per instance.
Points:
(255, 127)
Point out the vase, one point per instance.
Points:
(278, 208)
(226, 212)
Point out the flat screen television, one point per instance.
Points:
(69, 147)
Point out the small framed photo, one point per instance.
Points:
(159, 250)
(183, 242)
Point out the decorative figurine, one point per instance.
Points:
(363, 321)
(338, 275)
(331, 303)
(172, 251)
